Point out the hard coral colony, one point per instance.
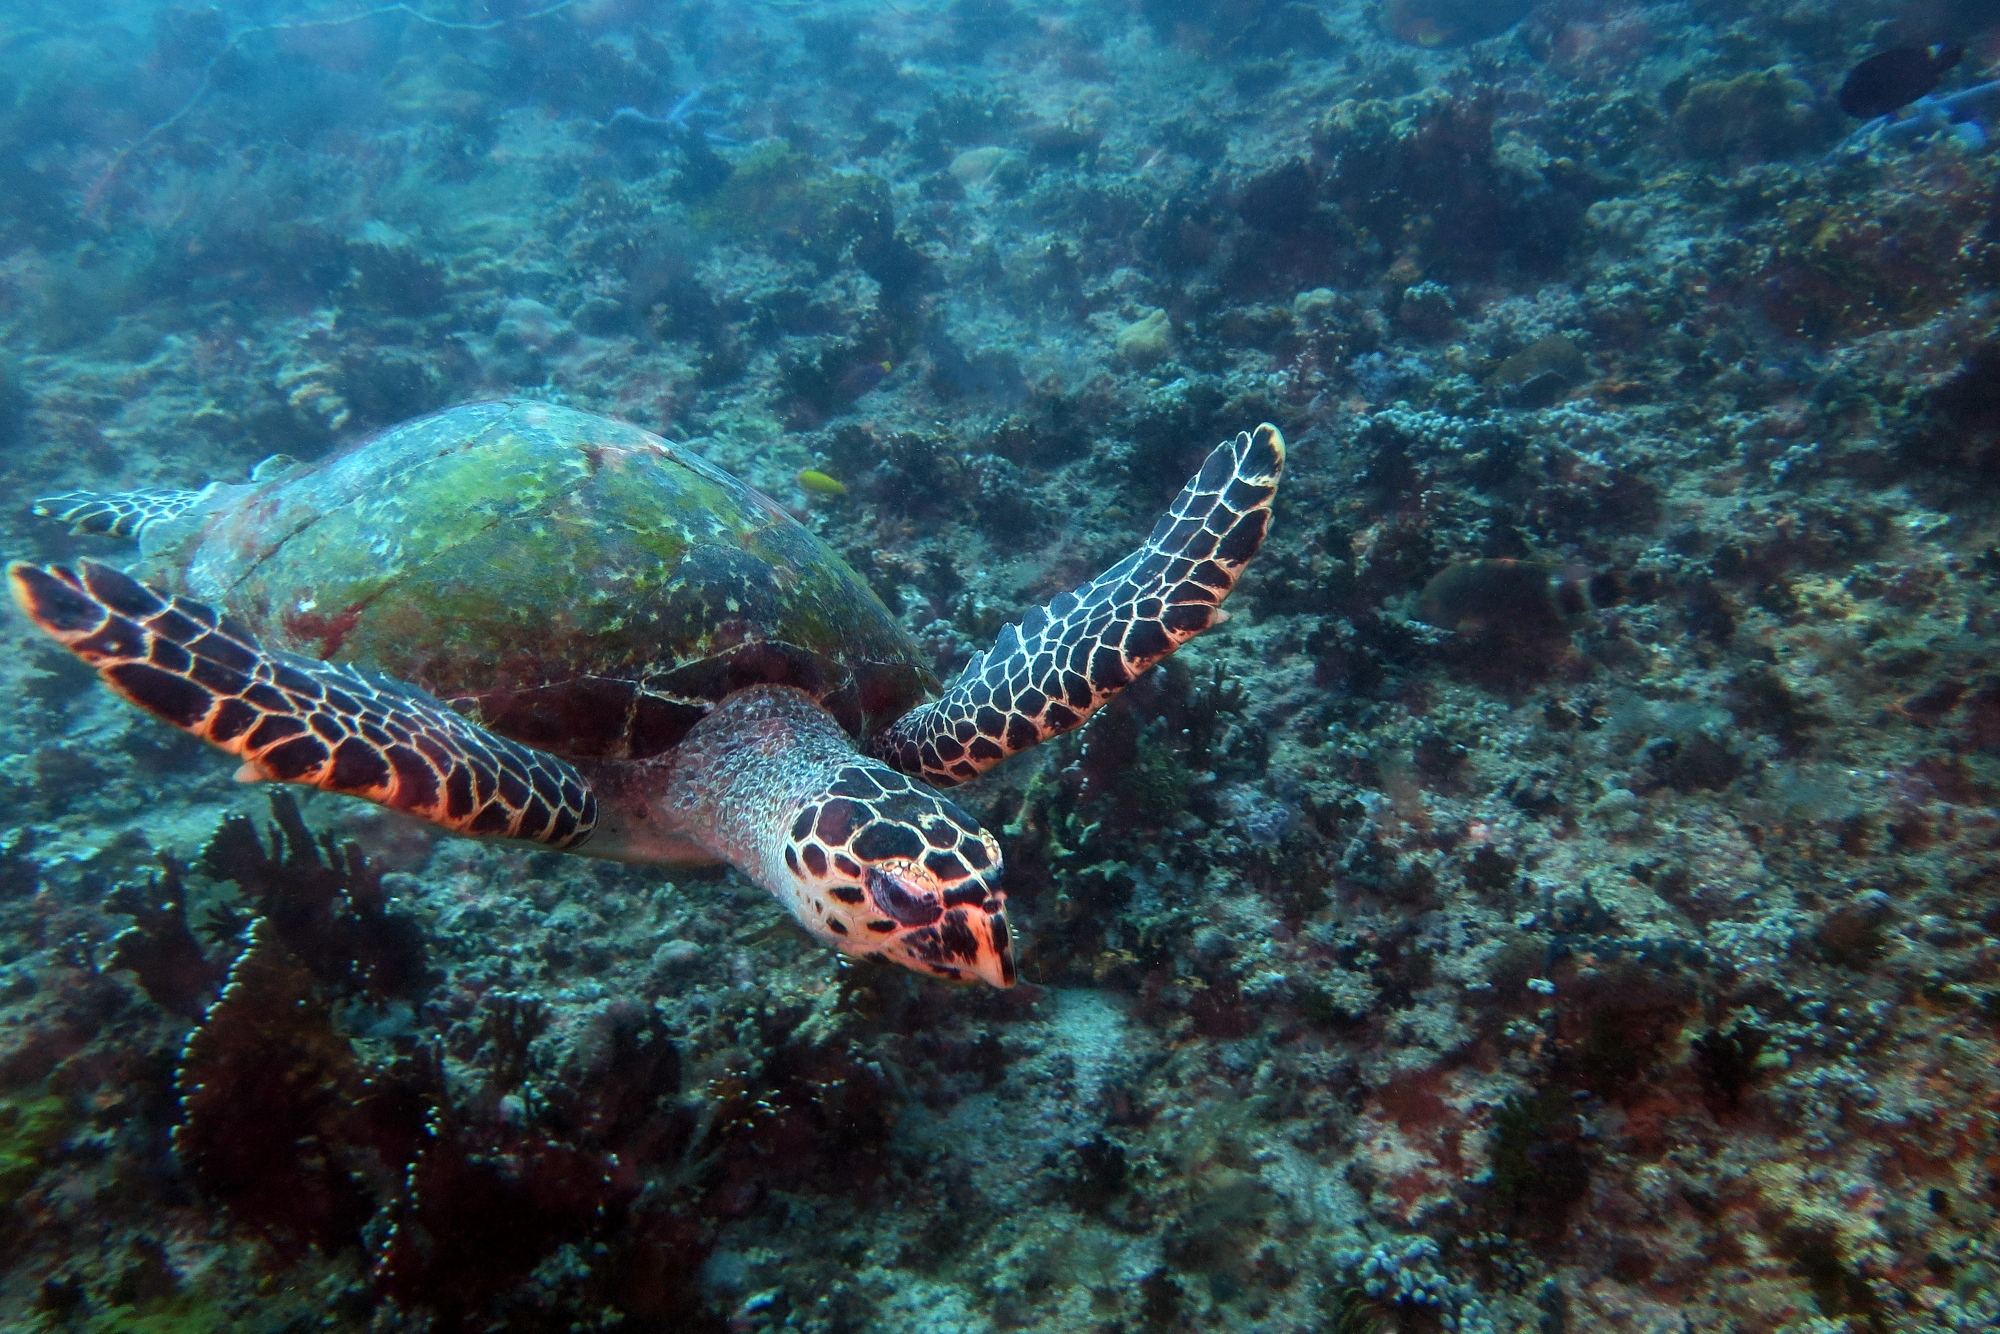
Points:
(1557, 894)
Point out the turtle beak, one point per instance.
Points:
(959, 933)
(995, 961)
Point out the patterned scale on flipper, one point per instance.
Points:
(1048, 674)
(297, 720)
(114, 514)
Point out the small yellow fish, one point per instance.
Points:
(819, 483)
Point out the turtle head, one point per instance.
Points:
(883, 865)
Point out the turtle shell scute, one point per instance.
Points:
(574, 583)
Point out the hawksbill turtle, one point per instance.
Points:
(521, 621)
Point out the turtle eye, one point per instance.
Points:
(898, 898)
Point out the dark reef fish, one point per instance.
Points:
(1518, 599)
(1887, 82)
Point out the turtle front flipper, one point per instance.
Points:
(298, 720)
(115, 513)
(1046, 675)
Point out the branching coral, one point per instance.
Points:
(324, 901)
(159, 947)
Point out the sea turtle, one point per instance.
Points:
(518, 620)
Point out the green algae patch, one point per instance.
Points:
(1756, 116)
(769, 185)
(1888, 258)
(777, 191)
(29, 1129)
(1157, 782)
(181, 1315)
(1554, 355)
(175, 1316)
(1539, 1169)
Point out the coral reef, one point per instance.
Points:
(1563, 896)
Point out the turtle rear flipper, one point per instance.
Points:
(298, 720)
(1048, 674)
(115, 513)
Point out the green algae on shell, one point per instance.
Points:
(585, 585)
